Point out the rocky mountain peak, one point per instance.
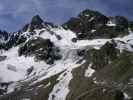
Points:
(119, 21)
(91, 15)
(36, 20)
(35, 23)
(48, 62)
(91, 24)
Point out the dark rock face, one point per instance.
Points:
(119, 71)
(12, 39)
(104, 56)
(29, 70)
(93, 24)
(130, 24)
(74, 24)
(15, 39)
(110, 32)
(4, 35)
(3, 87)
(2, 58)
(119, 95)
(42, 49)
(94, 18)
(37, 23)
(121, 21)
(85, 22)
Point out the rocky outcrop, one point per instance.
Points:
(42, 49)
(92, 24)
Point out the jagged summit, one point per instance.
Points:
(36, 19)
(8, 40)
(91, 24)
(37, 23)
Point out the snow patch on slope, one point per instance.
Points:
(125, 43)
(61, 89)
(17, 66)
(111, 23)
(89, 71)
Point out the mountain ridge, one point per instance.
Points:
(87, 58)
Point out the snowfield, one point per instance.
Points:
(14, 68)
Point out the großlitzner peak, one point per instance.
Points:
(92, 51)
(37, 23)
(36, 19)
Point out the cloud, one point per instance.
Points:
(15, 13)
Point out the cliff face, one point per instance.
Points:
(92, 24)
(87, 58)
